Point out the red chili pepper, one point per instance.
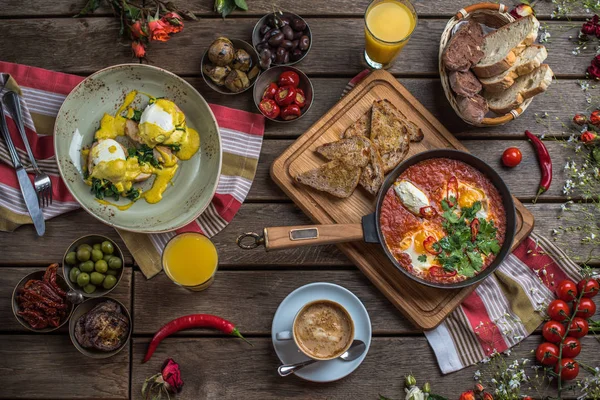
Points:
(289, 78)
(427, 212)
(544, 161)
(452, 194)
(300, 98)
(270, 91)
(474, 229)
(428, 245)
(291, 112)
(269, 108)
(285, 95)
(189, 322)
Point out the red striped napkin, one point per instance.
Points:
(42, 93)
(506, 307)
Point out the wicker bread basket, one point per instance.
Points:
(493, 15)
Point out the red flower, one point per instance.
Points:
(158, 30)
(594, 71)
(172, 376)
(138, 49)
(588, 137)
(138, 30)
(173, 22)
(588, 28)
(468, 395)
(487, 396)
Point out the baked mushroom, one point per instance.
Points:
(221, 52)
(242, 60)
(237, 81)
(217, 74)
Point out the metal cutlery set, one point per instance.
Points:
(39, 194)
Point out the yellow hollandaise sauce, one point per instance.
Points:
(162, 180)
(190, 259)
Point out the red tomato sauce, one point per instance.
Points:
(431, 177)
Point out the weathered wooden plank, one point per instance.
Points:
(249, 289)
(429, 92)
(228, 368)
(11, 276)
(522, 180)
(259, 7)
(337, 48)
(50, 367)
(251, 217)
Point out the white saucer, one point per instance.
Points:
(288, 352)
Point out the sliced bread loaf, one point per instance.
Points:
(464, 48)
(502, 46)
(531, 58)
(525, 86)
(464, 83)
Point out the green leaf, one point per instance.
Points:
(384, 398)
(422, 258)
(90, 7)
(241, 4)
(137, 115)
(475, 259)
(596, 154)
(228, 7)
(436, 397)
(145, 155)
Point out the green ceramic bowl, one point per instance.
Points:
(196, 180)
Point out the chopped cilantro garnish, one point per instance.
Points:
(422, 258)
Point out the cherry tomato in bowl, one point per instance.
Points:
(559, 310)
(589, 287)
(567, 290)
(569, 370)
(553, 331)
(547, 353)
(512, 157)
(571, 347)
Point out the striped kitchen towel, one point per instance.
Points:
(506, 307)
(42, 93)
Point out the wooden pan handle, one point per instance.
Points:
(288, 237)
(480, 6)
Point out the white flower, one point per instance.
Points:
(414, 393)
(477, 375)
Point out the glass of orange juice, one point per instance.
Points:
(388, 26)
(190, 260)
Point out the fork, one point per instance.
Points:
(41, 182)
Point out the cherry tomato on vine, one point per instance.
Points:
(553, 331)
(589, 286)
(567, 290)
(585, 308)
(579, 327)
(512, 157)
(559, 310)
(571, 347)
(570, 369)
(547, 353)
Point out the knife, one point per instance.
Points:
(29, 195)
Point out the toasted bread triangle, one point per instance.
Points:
(389, 133)
(354, 151)
(334, 177)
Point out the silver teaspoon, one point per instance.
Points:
(357, 348)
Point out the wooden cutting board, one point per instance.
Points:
(426, 307)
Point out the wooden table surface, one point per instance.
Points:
(250, 285)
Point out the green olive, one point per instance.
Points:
(89, 288)
(107, 257)
(97, 255)
(112, 272)
(96, 278)
(101, 266)
(87, 266)
(97, 246)
(115, 263)
(83, 279)
(109, 282)
(84, 246)
(83, 254)
(107, 247)
(73, 273)
(71, 258)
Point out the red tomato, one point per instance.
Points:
(579, 327)
(553, 331)
(589, 286)
(571, 347)
(512, 157)
(567, 290)
(559, 310)
(569, 371)
(585, 308)
(547, 353)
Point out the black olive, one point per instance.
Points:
(265, 58)
(296, 54)
(286, 58)
(271, 20)
(283, 21)
(298, 34)
(264, 29)
(276, 40)
(295, 43)
(288, 32)
(270, 34)
(261, 46)
(298, 24)
(304, 43)
(273, 55)
(287, 44)
(280, 55)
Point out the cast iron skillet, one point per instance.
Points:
(369, 230)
